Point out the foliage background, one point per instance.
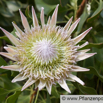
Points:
(91, 15)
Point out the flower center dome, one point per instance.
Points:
(44, 51)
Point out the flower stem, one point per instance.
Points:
(37, 93)
(34, 96)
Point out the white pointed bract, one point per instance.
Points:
(12, 38)
(46, 55)
(73, 26)
(42, 16)
(81, 36)
(19, 77)
(68, 24)
(35, 20)
(11, 67)
(24, 21)
(19, 31)
(54, 17)
(8, 55)
(63, 84)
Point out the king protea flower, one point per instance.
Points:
(45, 55)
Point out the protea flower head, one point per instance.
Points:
(45, 55)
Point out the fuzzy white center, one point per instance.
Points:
(44, 51)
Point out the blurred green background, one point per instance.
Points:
(91, 14)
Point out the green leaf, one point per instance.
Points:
(13, 98)
(61, 12)
(95, 72)
(74, 6)
(87, 90)
(82, 21)
(1, 84)
(71, 86)
(23, 98)
(5, 21)
(1, 43)
(5, 38)
(101, 14)
(14, 5)
(6, 12)
(96, 45)
(99, 37)
(61, 2)
(8, 85)
(2, 62)
(3, 94)
(64, 2)
(47, 7)
(98, 9)
(54, 92)
(73, 3)
(27, 12)
(88, 62)
(99, 55)
(13, 32)
(48, 98)
(50, 2)
(97, 12)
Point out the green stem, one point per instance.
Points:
(75, 10)
(36, 96)
(69, 5)
(97, 1)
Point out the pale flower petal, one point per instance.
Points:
(42, 84)
(80, 52)
(19, 77)
(54, 17)
(49, 87)
(17, 34)
(66, 27)
(35, 20)
(42, 16)
(13, 47)
(12, 38)
(63, 84)
(48, 21)
(24, 21)
(28, 83)
(83, 45)
(73, 26)
(76, 79)
(10, 50)
(81, 36)
(85, 56)
(11, 67)
(20, 32)
(8, 55)
(78, 69)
